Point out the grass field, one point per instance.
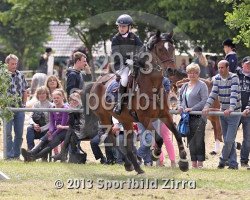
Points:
(37, 181)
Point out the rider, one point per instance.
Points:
(124, 45)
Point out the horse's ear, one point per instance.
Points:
(171, 34)
(158, 34)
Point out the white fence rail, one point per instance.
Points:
(216, 113)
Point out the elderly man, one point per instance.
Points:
(226, 88)
(18, 87)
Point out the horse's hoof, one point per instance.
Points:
(155, 154)
(129, 168)
(183, 165)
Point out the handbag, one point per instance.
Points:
(78, 158)
(183, 126)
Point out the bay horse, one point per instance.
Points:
(153, 60)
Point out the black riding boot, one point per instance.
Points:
(64, 150)
(42, 153)
(29, 155)
(118, 108)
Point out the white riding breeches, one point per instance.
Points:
(124, 76)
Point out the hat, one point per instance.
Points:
(228, 42)
(246, 59)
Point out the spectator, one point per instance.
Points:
(201, 60)
(81, 49)
(210, 66)
(44, 61)
(18, 87)
(165, 134)
(75, 79)
(75, 129)
(193, 96)
(109, 151)
(231, 56)
(183, 64)
(36, 130)
(227, 88)
(244, 77)
(38, 80)
(52, 83)
(144, 151)
(55, 135)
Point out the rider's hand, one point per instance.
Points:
(129, 62)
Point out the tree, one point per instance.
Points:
(6, 100)
(201, 22)
(239, 20)
(21, 32)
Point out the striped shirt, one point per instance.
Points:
(227, 91)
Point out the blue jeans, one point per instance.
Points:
(32, 135)
(245, 148)
(229, 127)
(144, 151)
(94, 143)
(14, 147)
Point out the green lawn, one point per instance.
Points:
(37, 181)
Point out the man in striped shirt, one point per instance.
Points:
(226, 88)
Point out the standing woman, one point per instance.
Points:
(201, 60)
(193, 96)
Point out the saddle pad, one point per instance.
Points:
(111, 94)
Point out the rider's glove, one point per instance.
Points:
(129, 62)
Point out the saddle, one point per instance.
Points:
(111, 94)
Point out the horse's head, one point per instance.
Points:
(157, 56)
(162, 45)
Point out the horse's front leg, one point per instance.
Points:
(129, 134)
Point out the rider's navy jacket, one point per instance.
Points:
(124, 46)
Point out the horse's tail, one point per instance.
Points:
(91, 120)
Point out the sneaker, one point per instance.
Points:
(149, 164)
(213, 153)
(238, 146)
(221, 166)
(111, 162)
(231, 167)
(103, 161)
(244, 164)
